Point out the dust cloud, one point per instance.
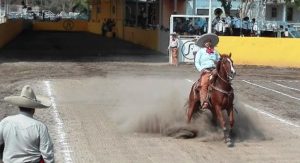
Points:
(159, 106)
(248, 124)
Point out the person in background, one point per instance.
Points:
(254, 28)
(201, 25)
(26, 139)
(236, 25)
(217, 24)
(228, 25)
(205, 60)
(173, 47)
(246, 26)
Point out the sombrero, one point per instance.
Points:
(209, 36)
(28, 99)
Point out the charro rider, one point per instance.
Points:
(26, 139)
(205, 62)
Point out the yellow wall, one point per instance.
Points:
(9, 30)
(146, 38)
(94, 28)
(278, 52)
(76, 25)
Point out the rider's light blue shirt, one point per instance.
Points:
(25, 139)
(205, 60)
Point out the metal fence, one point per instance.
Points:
(2, 16)
(2, 19)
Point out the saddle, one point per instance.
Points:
(212, 80)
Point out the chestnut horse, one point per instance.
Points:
(220, 96)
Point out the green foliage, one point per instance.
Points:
(58, 5)
(226, 4)
(296, 3)
(80, 6)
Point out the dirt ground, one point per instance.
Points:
(116, 102)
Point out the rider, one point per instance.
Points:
(205, 60)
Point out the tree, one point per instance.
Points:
(80, 6)
(295, 3)
(245, 7)
(226, 4)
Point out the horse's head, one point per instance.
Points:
(226, 64)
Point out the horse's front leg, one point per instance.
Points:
(230, 113)
(223, 125)
(231, 117)
(220, 116)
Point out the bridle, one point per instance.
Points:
(229, 77)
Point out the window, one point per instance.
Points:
(142, 13)
(2, 11)
(202, 11)
(185, 25)
(274, 12)
(289, 14)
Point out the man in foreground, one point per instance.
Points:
(26, 139)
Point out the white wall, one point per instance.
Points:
(163, 41)
(296, 16)
(279, 16)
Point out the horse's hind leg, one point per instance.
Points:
(192, 103)
(214, 119)
(193, 106)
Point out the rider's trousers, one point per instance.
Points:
(204, 86)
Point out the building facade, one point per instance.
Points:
(267, 12)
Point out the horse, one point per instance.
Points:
(220, 95)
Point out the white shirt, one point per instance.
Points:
(25, 140)
(173, 43)
(220, 26)
(228, 21)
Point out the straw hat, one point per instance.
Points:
(173, 34)
(28, 99)
(208, 37)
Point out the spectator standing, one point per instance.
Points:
(236, 25)
(26, 139)
(228, 26)
(173, 47)
(217, 24)
(246, 26)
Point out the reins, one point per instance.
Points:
(222, 91)
(228, 93)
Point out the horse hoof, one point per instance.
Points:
(229, 142)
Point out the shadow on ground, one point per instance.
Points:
(75, 46)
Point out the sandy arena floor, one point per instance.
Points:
(116, 104)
